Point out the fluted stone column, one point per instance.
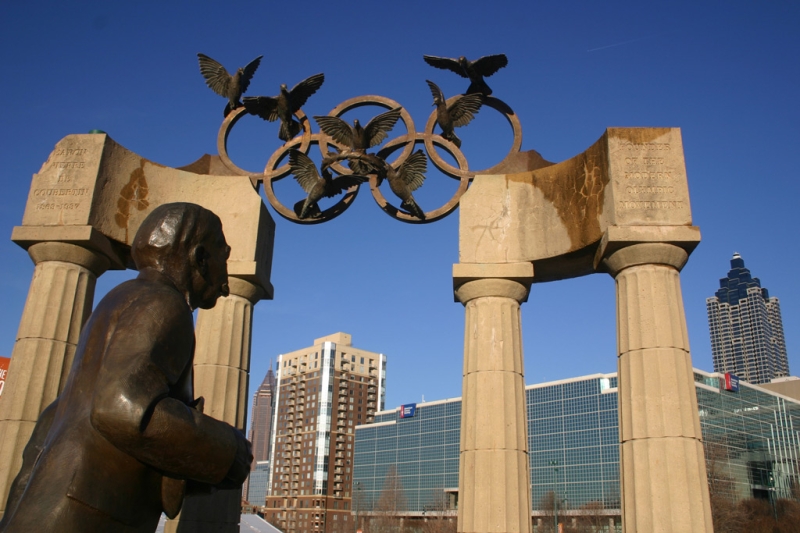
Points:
(221, 372)
(59, 303)
(663, 473)
(494, 485)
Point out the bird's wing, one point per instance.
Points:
(248, 72)
(339, 130)
(463, 110)
(446, 63)
(265, 107)
(342, 183)
(217, 78)
(436, 92)
(300, 92)
(378, 128)
(413, 170)
(304, 170)
(488, 65)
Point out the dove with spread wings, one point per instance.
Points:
(225, 85)
(358, 138)
(473, 70)
(317, 185)
(285, 105)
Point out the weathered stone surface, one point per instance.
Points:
(664, 486)
(84, 208)
(556, 215)
(493, 484)
(58, 304)
(90, 180)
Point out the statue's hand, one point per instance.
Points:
(241, 463)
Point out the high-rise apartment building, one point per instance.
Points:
(746, 328)
(322, 393)
(260, 434)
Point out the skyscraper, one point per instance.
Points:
(260, 430)
(261, 418)
(322, 393)
(746, 328)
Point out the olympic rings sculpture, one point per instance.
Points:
(335, 153)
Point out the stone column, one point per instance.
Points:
(494, 484)
(221, 372)
(663, 472)
(59, 303)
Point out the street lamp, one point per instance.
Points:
(554, 464)
(358, 500)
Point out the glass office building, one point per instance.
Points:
(746, 328)
(751, 434)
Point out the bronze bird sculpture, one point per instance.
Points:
(285, 105)
(404, 180)
(317, 186)
(474, 70)
(358, 138)
(459, 113)
(225, 85)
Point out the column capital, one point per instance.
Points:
(505, 280)
(85, 237)
(93, 261)
(247, 289)
(626, 246)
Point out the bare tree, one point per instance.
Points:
(435, 516)
(727, 516)
(391, 503)
(591, 518)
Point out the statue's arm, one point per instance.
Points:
(134, 408)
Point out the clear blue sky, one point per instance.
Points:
(726, 73)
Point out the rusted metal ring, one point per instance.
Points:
(272, 174)
(450, 170)
(363, 101)
(436, 214)
(225, 130)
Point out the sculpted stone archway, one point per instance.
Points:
(621, 207)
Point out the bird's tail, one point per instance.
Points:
(479, 87)
(306, 209)
(227, 109)
(411, 206)
(289, 130)
(452, 137)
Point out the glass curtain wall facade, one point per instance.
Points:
(746, 328)
(573, 438)
(421, 451)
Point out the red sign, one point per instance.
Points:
(4, 362)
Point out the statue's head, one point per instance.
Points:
(185, 243)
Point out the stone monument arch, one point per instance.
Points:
(621, 207)
(83, 210)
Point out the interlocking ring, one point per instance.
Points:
(272, 174)
(363, 101)
(225, 130)
(403, 143)
(445, 167)
(436, 214)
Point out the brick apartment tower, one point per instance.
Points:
(322, 393)
(261, 425)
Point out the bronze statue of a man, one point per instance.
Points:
(126, 436)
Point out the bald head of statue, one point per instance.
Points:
(184, 243)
